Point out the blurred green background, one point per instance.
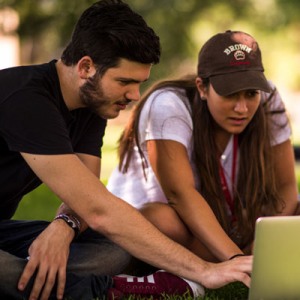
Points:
(44, 27)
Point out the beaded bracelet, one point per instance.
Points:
(72, 221)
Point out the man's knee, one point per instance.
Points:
(101, 258)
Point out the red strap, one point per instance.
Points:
(224, 184)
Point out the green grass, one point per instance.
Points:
(40, 204)
(233, 291)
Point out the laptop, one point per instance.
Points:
(276, 259)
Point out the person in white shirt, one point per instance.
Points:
(205, 155)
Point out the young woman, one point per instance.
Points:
(206, 155)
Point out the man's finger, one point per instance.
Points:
(48, 286)
(27, 274)
(61, 282)
(38, 284)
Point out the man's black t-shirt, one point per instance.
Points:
(34, 119)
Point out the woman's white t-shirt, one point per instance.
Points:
(166, 116)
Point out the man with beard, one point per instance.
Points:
(52, 121)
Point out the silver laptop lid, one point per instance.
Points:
(276, 261)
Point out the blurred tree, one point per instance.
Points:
(46, 26)
(290, 9)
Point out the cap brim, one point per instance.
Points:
(231, 83)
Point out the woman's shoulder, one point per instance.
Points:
(173, 92)
(168, 98)
(272, 98)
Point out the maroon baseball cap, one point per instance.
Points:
(232, 62)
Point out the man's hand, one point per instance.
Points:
(220, 274)
(48, 256)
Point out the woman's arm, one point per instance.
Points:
(284, 161)
(171, 165)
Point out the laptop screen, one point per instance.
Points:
(276, 261)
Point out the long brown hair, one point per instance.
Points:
(256, 191)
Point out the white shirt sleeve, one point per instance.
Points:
(280, 126)
(166, 116)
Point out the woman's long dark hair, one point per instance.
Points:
(256, 191)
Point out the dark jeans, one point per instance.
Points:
(92, 260)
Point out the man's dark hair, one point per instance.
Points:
(109, 30)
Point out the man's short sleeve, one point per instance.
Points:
(87, 132)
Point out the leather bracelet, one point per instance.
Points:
(236, 255)
(71, 221)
